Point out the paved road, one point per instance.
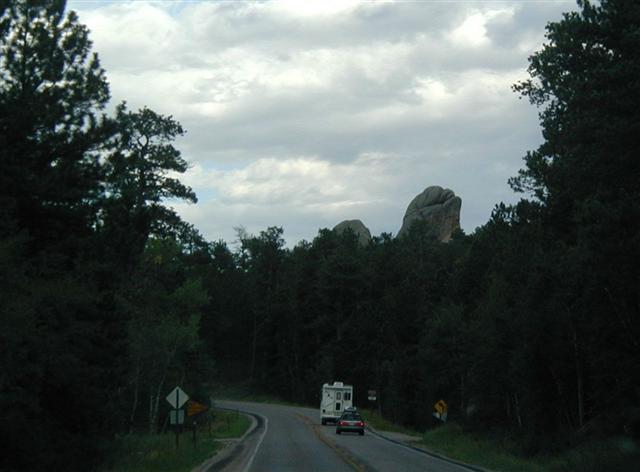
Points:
(292, 439)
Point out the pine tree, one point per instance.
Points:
(51, 92)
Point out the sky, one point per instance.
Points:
(305, 113)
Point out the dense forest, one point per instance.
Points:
(108, 299)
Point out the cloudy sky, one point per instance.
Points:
(302, 114)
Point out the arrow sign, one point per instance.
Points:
(193, 408)
(177, 398)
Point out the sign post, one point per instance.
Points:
(372, 396)
(176, 399)
(194, 408)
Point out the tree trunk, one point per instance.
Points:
(153, 419)
(579, 380)
(136, 391)
(565, 404)
(517, 405)
(461, 393)
(253, 347)
(153, 427)
(150, 410)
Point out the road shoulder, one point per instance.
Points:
(232, 449)
(413, 442)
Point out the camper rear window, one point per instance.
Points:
(338, 395)
(347, 395)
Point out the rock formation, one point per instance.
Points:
(439, 207)
(358, 227)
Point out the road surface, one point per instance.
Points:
(292, 439)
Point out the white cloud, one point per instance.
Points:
(292, 189)
(300, 181)
(473, 30)
(314, 8)
(303, 113)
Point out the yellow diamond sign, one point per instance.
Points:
(441, 406)
(193, 408)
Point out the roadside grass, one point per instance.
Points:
(378, 422)
(229, 424)
(614, 454)
(157, 452)
(450, 440)
(619, 454)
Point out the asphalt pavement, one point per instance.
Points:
(292, 439)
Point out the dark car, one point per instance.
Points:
(350, 422)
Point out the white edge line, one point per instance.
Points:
(255, 451)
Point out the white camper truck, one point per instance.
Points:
(336, 398)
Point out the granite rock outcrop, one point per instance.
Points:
(438, 207)
(358, 227)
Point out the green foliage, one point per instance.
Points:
(585, 79)
(585, 176)
(53, 313)
(528, 327)
(138, 183)
(151, 452)
(163, 327)
(51, 90)
(491, 452)
(80, 195)
(616, 453)
(143, 157)
(229, 424)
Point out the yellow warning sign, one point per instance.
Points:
(441, 407)
(193, 408)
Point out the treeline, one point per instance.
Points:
(530, 324)
(108, 299)
(505, 325)
(99, 306)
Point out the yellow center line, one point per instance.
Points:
(342, 453)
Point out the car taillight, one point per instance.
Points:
(343, 423)
(360, 423)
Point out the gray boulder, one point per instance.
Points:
(439, 207)
(358, 227)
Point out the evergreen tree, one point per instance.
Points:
(55, 358)
(138, 183)
(64, 215)
(585, 178)
(51, 91)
